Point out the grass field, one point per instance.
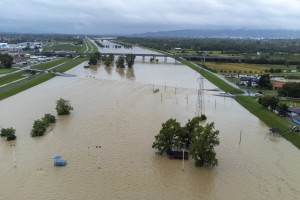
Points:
(85, 47)
(48, 65)
(251, 69)
(246, 68)
(11, 77)
(15, 88)
(70, 64)
(93, 47)
(5, 71)
(24, 85)
(64, 48)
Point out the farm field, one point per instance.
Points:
(246, 68)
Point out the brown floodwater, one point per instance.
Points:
(118, 111)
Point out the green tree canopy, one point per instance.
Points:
(167, 139)
(201, 140)
(290, 90)
(9, 133)
(111, 57)
(202, 146)
(48, 118)
(264, 81)
(268, 100)
(93, 60)
(6, 60)
(189, 128)
(282, 109)
(39, 128)
(63, 107)
(97, 54)
(120, 62)
(130, 60)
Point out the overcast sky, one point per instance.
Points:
(138, 16)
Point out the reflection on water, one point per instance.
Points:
(108, 69)
(130, 73)
(123, 117)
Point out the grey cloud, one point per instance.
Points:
(119, 16)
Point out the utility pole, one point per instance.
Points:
(183, 159)
(200, 109)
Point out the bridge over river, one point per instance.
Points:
(187, 57)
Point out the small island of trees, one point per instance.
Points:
(198, 139)
(9, 133)
(63, 107)
(40, 125)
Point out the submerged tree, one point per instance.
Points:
(189, 128)
(120, 62)
(202, 145)
(97, 55)
(9, 133)
(107, 60)
(63, 107)
(130, 60)
(200, 140)
(93, 60)
(40, 125)
(48, 118)
(39, 128)
(111, 57)
(167, 139)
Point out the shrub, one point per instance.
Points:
(203, 117)
(39, 128)
(11, 137)
(48, 118)
(63, 107)
(9, 133)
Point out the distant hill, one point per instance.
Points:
(234, 33)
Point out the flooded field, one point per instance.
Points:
(118, 111)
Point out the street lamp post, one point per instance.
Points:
(14, 155)
(98, 147)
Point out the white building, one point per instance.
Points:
(4, 46)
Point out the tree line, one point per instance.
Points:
(227, 45)
(128, 59)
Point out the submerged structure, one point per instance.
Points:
(59, 162)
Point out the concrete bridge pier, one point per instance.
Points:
(166, 59)
(143, 57)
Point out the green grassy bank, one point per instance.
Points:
(11, 77)
(15, 88)
(24, 85)
(48, 65)
(250, 103)
(212, 78)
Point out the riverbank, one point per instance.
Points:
(25, 84)
(251, 104)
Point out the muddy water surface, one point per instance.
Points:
(122, 114)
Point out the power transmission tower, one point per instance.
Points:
(200, 109)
